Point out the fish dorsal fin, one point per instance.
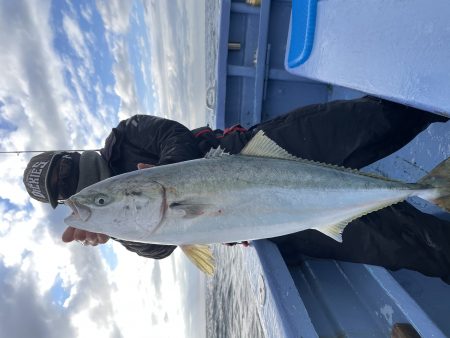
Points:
(201, 256)
(216, 152)
(262, 146)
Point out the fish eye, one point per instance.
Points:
(100, 200)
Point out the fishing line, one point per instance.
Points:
(18, 152)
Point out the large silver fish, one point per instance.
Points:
(262, 192)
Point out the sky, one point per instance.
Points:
(71, 70)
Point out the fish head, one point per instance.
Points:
(124, 209)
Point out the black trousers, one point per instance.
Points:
(354, 134)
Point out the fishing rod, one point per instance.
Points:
(18, 152)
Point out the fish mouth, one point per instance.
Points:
(80, 212)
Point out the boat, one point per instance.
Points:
(277, 55)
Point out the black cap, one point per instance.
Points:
(37, 177)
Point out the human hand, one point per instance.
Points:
(83, 236)
(144, 165)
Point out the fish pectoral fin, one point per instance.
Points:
(334, 231)
(201, 256)
(190, 210)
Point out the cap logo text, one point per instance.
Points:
(34, 177)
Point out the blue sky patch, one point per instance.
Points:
(8, 205)
(58, 293)
(109, 255)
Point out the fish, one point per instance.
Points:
(262, 192)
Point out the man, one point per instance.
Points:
(349, 133)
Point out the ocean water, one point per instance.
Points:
(231, 309)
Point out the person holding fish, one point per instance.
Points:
(351, 134)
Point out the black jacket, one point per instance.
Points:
(151, 140)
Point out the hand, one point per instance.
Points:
(83, 236)
(145, 165)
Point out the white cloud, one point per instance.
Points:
(116, 19)
(31, 88)
(178, 59)
(47, 114)
(115, 14)
(88, 128)
(18, 293)
(31, 260)
(31, 83)
(125, 86)
(86, 13)
(77, 40)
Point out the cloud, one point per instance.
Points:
(156, 278)
(178, 63)
(77, 41)
(30, 83)
(32, 262)
(31, 270)
(18, 292)
(88, 127)
(116, 19)
(115, 14)
(154, 319)
(36, 102)
(92, 297)
(86, 13)
(125, 86)
(193, 303)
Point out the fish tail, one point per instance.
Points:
(201, 256)
(439, 178)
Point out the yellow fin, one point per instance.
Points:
(201, 256)
(439, 178)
